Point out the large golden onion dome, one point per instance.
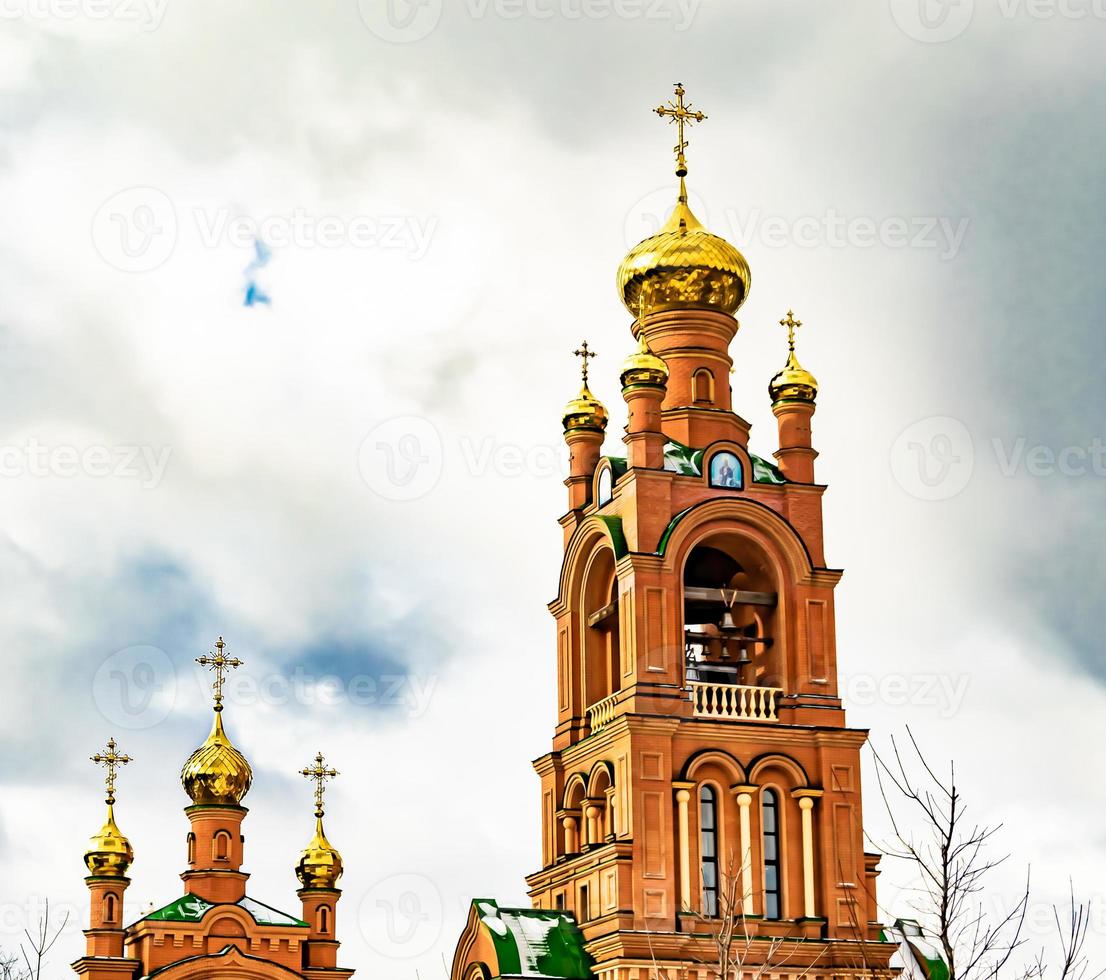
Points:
(109, 853)
(643, 367)
(683, 266)
(320, 864)
(216, 772)
(585, 411)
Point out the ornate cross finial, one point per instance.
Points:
(792, 325)
(583, 352)
(111, 761)
(320, 774)
(219, 662)
(681, 113)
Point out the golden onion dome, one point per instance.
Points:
(320, 864)
(643, 367)
(216, 772)
(585, 411)
(109, 853)
(683, 266)
(794, 383)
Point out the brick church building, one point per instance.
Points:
(701, 803)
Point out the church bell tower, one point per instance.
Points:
(702, 778)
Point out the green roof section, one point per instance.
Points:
(192, 908)
(765, 472)
(618, 537)
(682, 459)
(540, 943)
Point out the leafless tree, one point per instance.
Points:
(11, 968)
(39, 943)
(738, 952)
(953, 856)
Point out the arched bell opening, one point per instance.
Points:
(731, 630)
(602, 642)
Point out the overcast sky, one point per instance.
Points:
(356, 479)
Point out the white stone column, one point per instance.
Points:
(593, 830)
(683, 796)
(572, 841)
(806, 798)
(744, 796)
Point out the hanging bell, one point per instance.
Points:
(727, 621)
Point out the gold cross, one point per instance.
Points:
(110, 760)
(584, 353)
(320, 774)
(681, 114)
(792, 324)
(219, 662)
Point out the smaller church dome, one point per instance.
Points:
(216, 772)
(320, 864)
(585, 411)
(643, 367)
(683, 266)
(794, 383)
(109, 853)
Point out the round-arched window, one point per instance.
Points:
(606, 485)
(726, 472)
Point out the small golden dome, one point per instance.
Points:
(683, 266)
(109, 853)
(585, 411)
(794, 383)
(320, 864)
(216, 772)
(643, 367)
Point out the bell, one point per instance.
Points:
(727, 621)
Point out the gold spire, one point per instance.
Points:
(109, 854)
(217, 773)
(682, 115)
(794, 382)
(585, 411)
(683, 266)
(320, 865)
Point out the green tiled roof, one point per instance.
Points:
(535, 942)
(686, 461)
(192, 908)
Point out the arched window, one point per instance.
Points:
(324, 919)
(606, 484)
(708, 848)
(109, 908)
(702, 387)
(191, 840)
(725, 471)
(770, 828)
(220, 846)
